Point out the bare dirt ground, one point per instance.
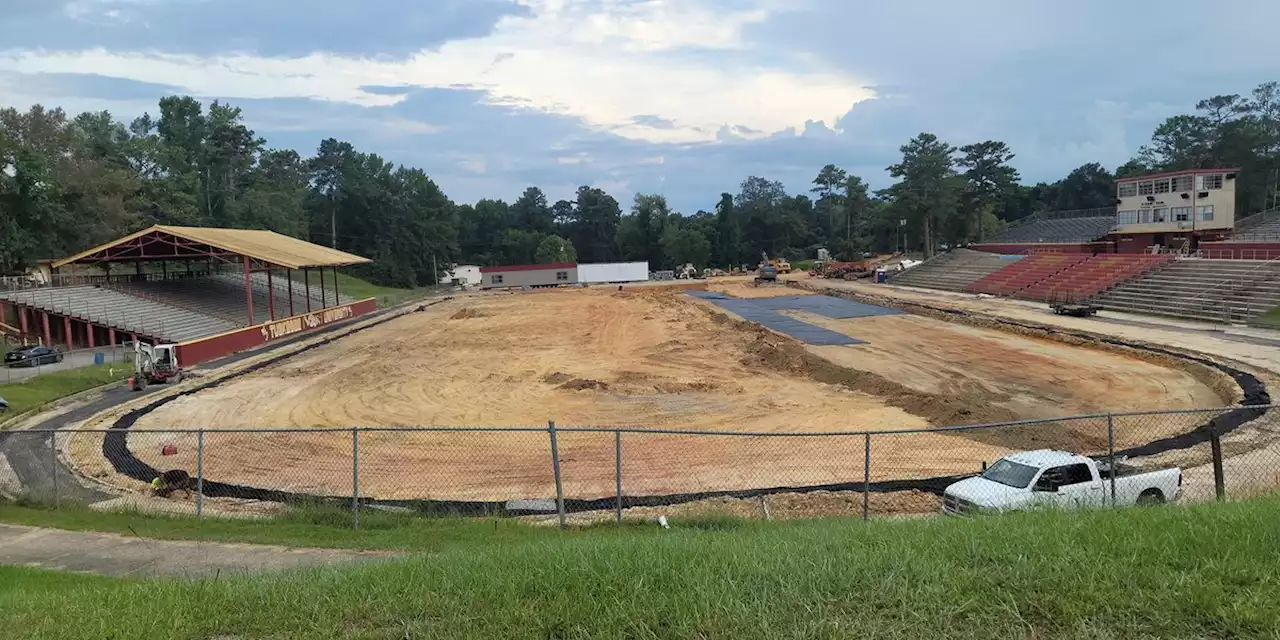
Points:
(646, 357)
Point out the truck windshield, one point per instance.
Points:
(1010, 473)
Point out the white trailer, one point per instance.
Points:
(613, 272)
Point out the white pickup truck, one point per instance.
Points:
(1048, 478)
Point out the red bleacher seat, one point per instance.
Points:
(1065, 277)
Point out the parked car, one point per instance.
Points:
(1047, 478)
(32, 356)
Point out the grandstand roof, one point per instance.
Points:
(163, 242)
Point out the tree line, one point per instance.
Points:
(68, 183)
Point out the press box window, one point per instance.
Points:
(1128, 189)
(1211, 181)
(1146, 188)
(1159, 215)
(1181, 214)
(1162, 185)
(1206, 213)
(562, 276)
(1128, 216)
(1182, 183)
(495, 279)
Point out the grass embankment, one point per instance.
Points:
(359, 289)
(1269, 320)
(1205, 571)
(40, 390)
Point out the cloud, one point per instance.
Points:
(603, 63)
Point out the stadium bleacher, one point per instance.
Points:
(1201, 289)
(952, 271)
(1265, 229)
(123, 312)
(1083, 229)
(1026, 272)
(173, 310)
(1092, 277)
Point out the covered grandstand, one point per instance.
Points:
(211, 291)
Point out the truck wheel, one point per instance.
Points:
(1150, 498)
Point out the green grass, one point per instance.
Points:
(40, 390)
(1202, 572)
(360, 289)
(1270, 319)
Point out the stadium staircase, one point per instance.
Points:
(1232, 291)
(952, 271)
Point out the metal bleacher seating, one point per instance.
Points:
(1201, 289)
(121, 311)
(1063, 230)
(952, 271)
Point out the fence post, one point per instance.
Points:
(1111, 454)
(617, 469)
(555, 468)
(866, 478)
(199, 473)
(355, 477)
(1215, 447)
(53, 468)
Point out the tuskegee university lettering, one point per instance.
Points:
(297, 324)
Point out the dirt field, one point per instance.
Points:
(645, 357)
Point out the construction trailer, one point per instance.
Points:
(613, 272)
(529, 275)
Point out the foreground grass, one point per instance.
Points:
(1208, 571)
(320, 527)
(40, 390)
(1270, 319)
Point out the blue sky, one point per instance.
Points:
(682, 97)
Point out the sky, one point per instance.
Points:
(681, 97)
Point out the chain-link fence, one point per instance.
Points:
(38, 360)
(592, 473)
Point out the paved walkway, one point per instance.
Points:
(123, 556)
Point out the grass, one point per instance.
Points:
(1175, 572)
(1270, 319)
(387, 296)
(40, 390)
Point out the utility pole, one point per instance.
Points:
(333, 222)
(435, 274)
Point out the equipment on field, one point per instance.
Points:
(154, 364)
(1077, 309)
(767, 272)
(688, 272)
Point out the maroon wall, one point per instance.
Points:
(197, 351)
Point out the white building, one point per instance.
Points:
(615, 272)
(467, 274)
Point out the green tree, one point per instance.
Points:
(593, 224)
(554, 249)
(531, 212)
(685, 245)
(928, 190)
(989, 181)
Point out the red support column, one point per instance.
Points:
(48, 335)
(111, 335)
(22, 321)
(66, 326)
(324, 302)
(89, 329)
(289, 274)
(306, 283)
(133, 336)
(248, 290)
(271, 298)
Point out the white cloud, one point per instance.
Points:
(604, 61)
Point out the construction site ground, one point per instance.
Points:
(647, 357)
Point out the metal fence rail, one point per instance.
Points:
(606, 471)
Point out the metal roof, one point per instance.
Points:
(265, 246)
